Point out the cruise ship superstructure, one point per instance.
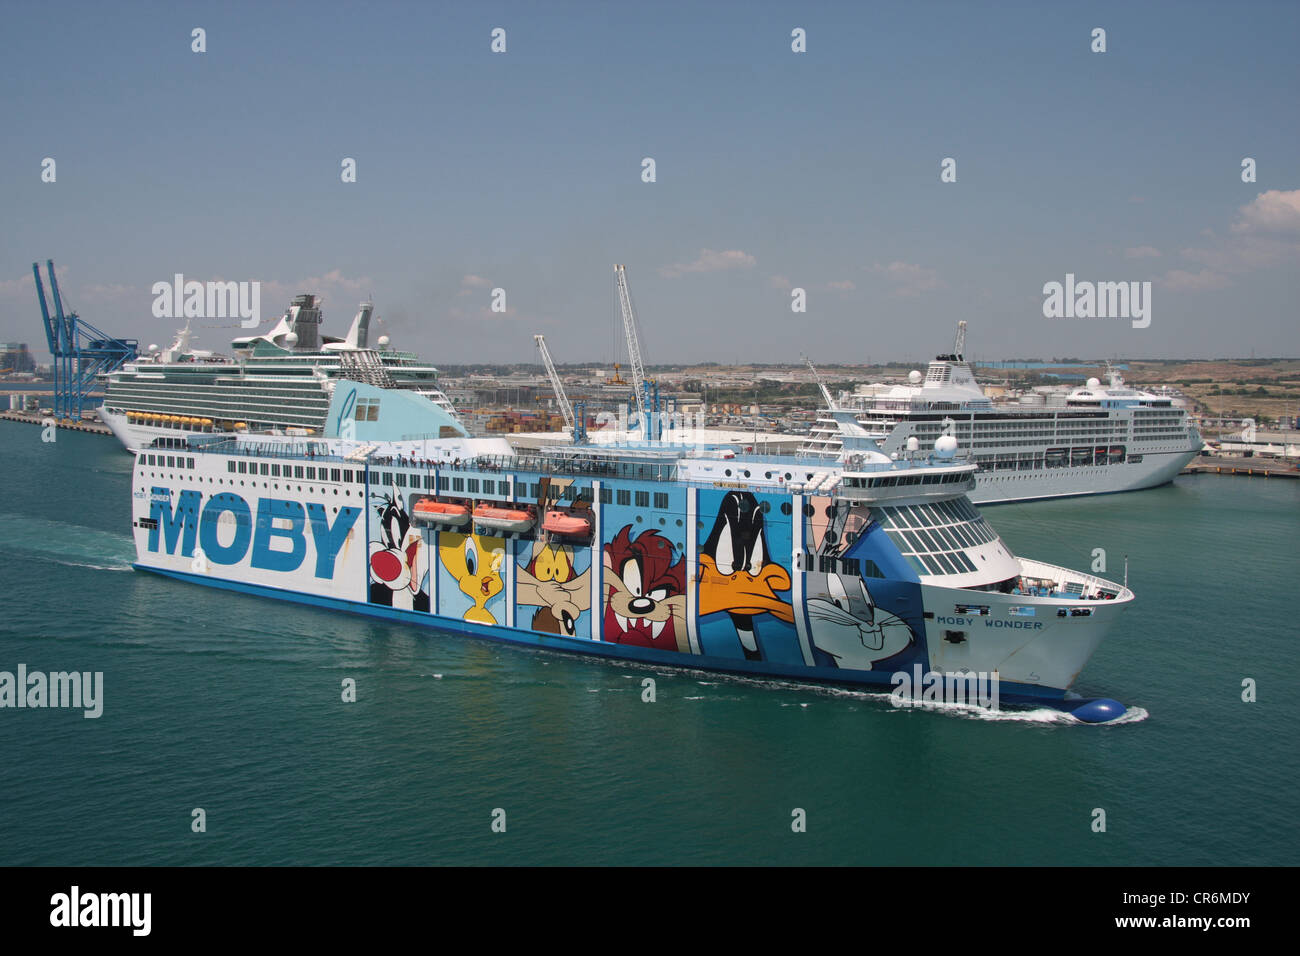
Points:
(1095, 439)
(281, 381)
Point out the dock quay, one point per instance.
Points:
(85, 425)
(1255, 467)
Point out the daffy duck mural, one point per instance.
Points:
(399, 572)
(473, 562)
(551, 582)
(739, 580)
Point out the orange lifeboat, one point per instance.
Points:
(448, 513)
(568, 524)
(503, 519)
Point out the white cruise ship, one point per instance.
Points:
(1092, 440)
(279, 382)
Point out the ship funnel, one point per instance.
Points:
(305, 318)
(358, 335)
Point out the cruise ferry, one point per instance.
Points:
(850, 570)
(277, 382)
(1092, 440)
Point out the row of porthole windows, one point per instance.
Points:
(276, 487)
(335, 509)
(767, 474)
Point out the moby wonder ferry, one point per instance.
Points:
(1095, 439)
(846, 571)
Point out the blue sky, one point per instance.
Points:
(774, 169)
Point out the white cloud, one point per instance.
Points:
(333, 285)
(909, 279)
(1179, 280)
(710, 261)
(779, 282)
(471, 282)
(1142, 252)
(1273, 211)
(22, 287)
(845, 285)
(1265, 234)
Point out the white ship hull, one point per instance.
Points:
(1000, 487)
(135, 436)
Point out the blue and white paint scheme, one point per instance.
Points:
(846, 571)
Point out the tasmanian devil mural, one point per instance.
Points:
(398, 565)
(738, 576)
(645, 592)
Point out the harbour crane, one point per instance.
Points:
(640, 386)
(76, 363)
(826, 392)
(561, 399)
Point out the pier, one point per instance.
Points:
(1255, 467)
(84, 425)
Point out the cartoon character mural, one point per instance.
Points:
(399, 567)
(471, 562)
(741, 611)
(645, 592)
(549, 580)
(846, 627)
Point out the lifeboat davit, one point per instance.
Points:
(441, 512)
(567, 523)
(503, 519)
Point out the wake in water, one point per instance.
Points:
(1020, 714)
(65, 543)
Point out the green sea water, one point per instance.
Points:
(232, 704)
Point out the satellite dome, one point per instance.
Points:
(153, 346)
(383, 341)
(913, 444)
(291, 339)
(945, 446)
(1094, 383)
(914, 377)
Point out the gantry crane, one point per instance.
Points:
(76, 364)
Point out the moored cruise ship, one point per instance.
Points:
(1092, 440)
(851, 570)
(277, 382)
